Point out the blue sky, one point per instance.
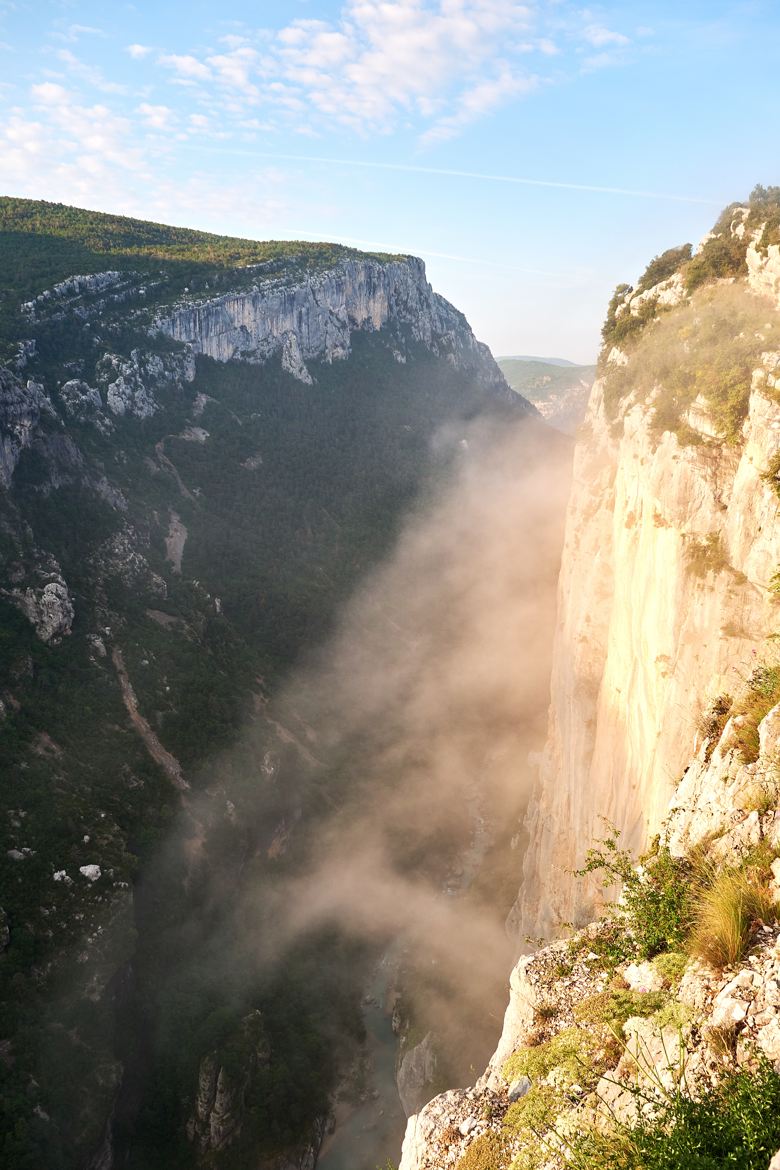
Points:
(533, 154)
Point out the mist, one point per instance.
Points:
(418, 718)
(374, 806)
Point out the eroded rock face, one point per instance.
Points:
(130, 383)
(650, 629)
(315, 319)
(416, 1071)
(50, 609)
(22, 407)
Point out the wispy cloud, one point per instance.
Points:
(90, 75)
(75, 32)
(186, 66)
(437, 65)
(447, 172)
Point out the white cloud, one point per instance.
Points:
(598, 36)
(186, 66)
(156, 117)
(480, 100)
(138, 51)
(88, 74)
(75, 32)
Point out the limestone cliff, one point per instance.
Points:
(205, 444)
(315, 317)
(672, 540)
(664, 720)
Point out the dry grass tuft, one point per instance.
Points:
(728, 912)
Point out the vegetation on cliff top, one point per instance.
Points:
(44, 243)
(710, 344)
(707, 348)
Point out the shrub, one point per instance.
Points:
(713, 721)
(671, 965)
(727, 914)
(662, 267)
(533, 1112)
(656, 908)
(704, 554)
(735, 1123)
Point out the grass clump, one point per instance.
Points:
(487, 1152)
(577, 1055)
(760, 696)
(615, 1005)
(727, 914)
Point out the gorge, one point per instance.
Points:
(280, 553)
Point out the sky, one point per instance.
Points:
(534, 155)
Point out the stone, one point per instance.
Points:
(50, 609)
(768, 1039)
(518, 1088)
(643, 977)
(728, 1012)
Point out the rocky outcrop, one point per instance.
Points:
(315, 318)
(22, 407)
(221, 1093)
(415, 1074)
(48, 606)
(684, 1023)
(130, 383)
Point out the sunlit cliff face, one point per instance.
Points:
(672, 540)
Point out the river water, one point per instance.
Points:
(371, 1135)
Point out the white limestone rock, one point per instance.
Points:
(322, 311)
(292, 359)
(131, 383)
(50, 609)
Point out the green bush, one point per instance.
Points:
(736, 1123)
(662, 267)
(656, 908)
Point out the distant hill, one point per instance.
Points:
(558, 388)
(532, 357)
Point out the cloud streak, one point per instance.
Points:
(518, 180)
